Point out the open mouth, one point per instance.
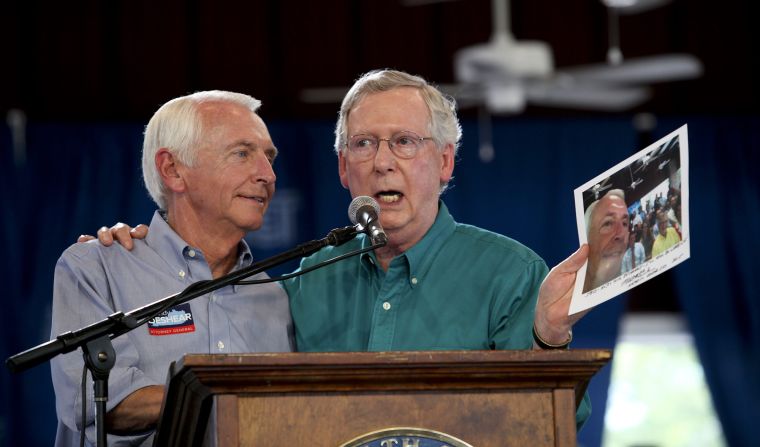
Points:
(388, 196)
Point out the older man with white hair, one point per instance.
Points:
(437, 284)
(207, 163)
(607, 230)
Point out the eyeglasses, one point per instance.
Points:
(404, 144)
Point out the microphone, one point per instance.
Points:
(364, 211)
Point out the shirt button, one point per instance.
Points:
(181, 273)
(220, 345)
(191, 253)
(386, 305)
(414, 280)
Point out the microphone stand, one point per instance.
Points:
(95, 339)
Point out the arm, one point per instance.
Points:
(515, 304)
(545, 297)
(138, 412)
(552, 323)
(81, 296)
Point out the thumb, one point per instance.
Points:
(575, 261)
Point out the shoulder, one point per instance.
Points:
(82, 253)
(494, 256)
(89, 255)
(323, 277)
(93, 248)
(479, 241)
(330, 252)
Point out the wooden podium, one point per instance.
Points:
(482, 398)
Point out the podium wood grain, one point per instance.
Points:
(485, 398)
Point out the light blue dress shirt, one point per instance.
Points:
(92, 282)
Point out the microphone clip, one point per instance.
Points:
(340, 236)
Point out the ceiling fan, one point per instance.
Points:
(505, 74)
(659, 157)
(634, 183)
(601, 187)
(651, 157)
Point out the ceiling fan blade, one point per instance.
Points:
(583, 96)
(644, 70)
(634, 6)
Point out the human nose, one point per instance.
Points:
(384, 158)
(620, 230)
(264, 170)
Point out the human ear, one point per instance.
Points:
(447, 163)
(169, 169)
(342, 169)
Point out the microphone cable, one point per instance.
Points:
(313, 267)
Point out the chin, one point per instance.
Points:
(392, 224)
(251, 223)
(253, 227)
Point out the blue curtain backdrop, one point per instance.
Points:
(76, 178)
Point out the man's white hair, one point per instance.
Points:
(590, 210)
(178, 127)
(444, 124)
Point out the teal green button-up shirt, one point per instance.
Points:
(460, 287)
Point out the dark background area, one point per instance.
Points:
(97, 60)
(88, 75)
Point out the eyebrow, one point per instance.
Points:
(614, 214)
(272, 151)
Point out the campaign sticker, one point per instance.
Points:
(177, 320)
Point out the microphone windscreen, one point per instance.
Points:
(359, 202)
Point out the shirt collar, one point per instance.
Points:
(421, 256)
(176, 252)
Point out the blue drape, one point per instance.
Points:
(79, 177)
(719, 288)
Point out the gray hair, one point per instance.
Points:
(444, 124)
(177, 126)
(590, 210)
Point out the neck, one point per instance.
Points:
(220, 248)
(386, 254)
(398, 243)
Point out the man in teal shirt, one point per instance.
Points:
(437, 284)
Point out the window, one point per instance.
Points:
(658, 395)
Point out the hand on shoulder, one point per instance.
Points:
(121, 233)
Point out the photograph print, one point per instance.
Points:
(635, 220)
